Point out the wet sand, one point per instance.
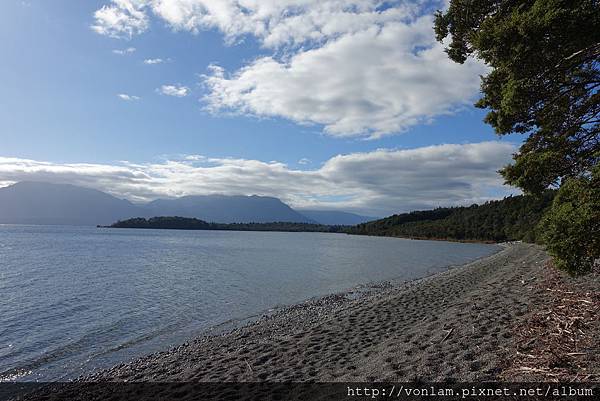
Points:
(460, 324)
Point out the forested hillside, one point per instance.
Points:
(187, 223)
(513, 218)
(510, 219)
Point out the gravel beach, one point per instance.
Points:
(460, 324)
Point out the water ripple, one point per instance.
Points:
(76, 299)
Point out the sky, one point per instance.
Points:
(326, 104)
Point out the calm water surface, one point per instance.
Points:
(75, 299)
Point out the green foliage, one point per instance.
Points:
(571, 228)
(513, 218)
(185, 223)
(544, 79)
(544, 82)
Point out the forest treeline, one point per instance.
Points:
(186, 223)
(511, 219)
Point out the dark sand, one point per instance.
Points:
(460, 324)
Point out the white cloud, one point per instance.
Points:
(128, 98)
(358, 68)
(121, 19)
(372, 83)
(151, 61)
(123, 52)
(381, 182)
(275, 22)
(174, 90)
(304, 161)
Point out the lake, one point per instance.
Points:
(76, 299)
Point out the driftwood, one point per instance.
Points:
(449, 332)
(558, 340)
(249, 367)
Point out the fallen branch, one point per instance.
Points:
(448, 334)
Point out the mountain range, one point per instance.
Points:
(65, 204)
(335, 217)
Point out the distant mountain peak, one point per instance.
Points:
(335, 217)
(228, 209)
(31, 202)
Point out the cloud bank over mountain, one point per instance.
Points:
(376, 183)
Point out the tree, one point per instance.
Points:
(571, 228)
(544, 81)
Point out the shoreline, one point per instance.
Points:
(459, 324)
(462, 241)
(357, 293)
(283, 322)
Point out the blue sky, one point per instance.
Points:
(61, 79)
